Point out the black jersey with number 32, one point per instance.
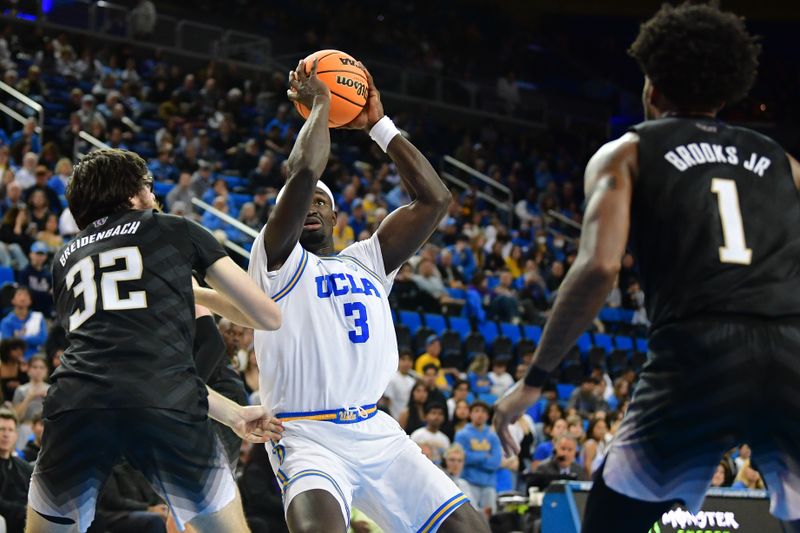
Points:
(123, 293)
(715, 221)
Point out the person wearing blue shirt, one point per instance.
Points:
(478, 375)
(463, 258)
(545, 450)
(483, 457)
(213, 223)
(38, 279)
(23, 323)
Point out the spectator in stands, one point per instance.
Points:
(214, 223)
(505, 305)
(399, 389)
(201, 180)
(552, 431)
(33, 446)
(162, 168)
(458, 421)
(182, 191)
(266, 174)
(63, 173)
(748, 478)
(32, 85)
(501, 379)
(15, 475)
(38, 208)
(359, 220)
(433, 349)
(128, 503)
(27, 136)
(744, 456)
(23, 323)
(247, 157)
(343, 235)
(427, 278)
(411, 418)
(495, 260)
(460, 392)
(431, 433)
(463, 258)
(514, 262)
(406, 294)
(88, 114)
(248, 215)
(594, 449)
(621, 394)
(562, 462)
(718, 479)
(483, 456)
(261, 495)
(250, 373)
(15, 238)
(585, 399)
(478, 375)
(26, 174)
(12, 367)
(29, 397)
(38, 279)
(451, 276)
(454, 458)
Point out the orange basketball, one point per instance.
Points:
(346, 81)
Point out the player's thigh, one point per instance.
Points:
(181, 456)
(412, 494)
(36, 523)
(684, 415)
(315, 510)
(229, 519)
(79, 448)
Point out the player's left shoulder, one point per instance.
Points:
(617, 158)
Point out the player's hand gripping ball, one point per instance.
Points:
(347, 83)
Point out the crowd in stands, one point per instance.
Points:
(217, 136)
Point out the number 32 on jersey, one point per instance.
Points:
(86, 286)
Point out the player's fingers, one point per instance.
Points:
(314, 68)
(257, 438)
(291, 95)
(366, 72)
(301, 71)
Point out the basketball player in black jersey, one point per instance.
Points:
(127, 385)
(714, 218)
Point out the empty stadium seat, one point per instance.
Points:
(533, 333)
(572, 373)
(564, 391)
(403, 336)
(451, 342)
(502, 346)
(474, 343)
(421, 337)
(435, 322)
(624, 343)
(525, 346)
(454, 360)
(411, 320)
(6, 275)
(584, 343)
(603, 341)
(461, 325)
(488, 397)
(641, 345)
(511, 331)
(489, 331)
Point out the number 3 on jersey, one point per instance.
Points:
(108, 284)
(734, 249)
(358, 310)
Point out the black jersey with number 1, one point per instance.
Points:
(715, 222)
(123, 293)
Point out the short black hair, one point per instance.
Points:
(697, 55)
(103, 183)
(9, 345)
(429, 365)
(435, 405)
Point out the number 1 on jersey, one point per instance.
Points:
(734, 249)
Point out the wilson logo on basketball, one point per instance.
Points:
(348, 61)
(361, 89)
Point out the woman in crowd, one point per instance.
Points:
(16, 232)
(596, 445)
(39, 207)
(478, 375)
(413, 416)
(49, 235)
(250, 373)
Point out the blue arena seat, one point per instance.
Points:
(6, 275)
(488, 397)
(411, 320)
(609, 314)
(564, 391)
(240, 199)
(533, 333)
(161, 189)
(511, 331)
(641, 345)
(436, 322)
(461, 325)
(584, 343)
(489, 331)
(604, 341)
(624, 343)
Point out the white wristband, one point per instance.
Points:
(383, 132)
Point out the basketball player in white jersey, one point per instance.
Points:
(324, 371)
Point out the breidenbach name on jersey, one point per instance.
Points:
(129, 228)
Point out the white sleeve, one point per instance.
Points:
(279, 281)
(369, 253)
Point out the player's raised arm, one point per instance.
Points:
(609, 188)
(407, 228)
(305, 165)
(795, 170)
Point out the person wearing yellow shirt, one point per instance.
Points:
(343, 235)
(433, 348)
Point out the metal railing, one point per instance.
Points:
(247, 230)
(452, 168)
(77, 148)
(27, 101)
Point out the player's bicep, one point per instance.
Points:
(206, 249)
(609, 190)
(795, 166)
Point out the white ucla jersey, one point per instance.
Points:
(336, 347)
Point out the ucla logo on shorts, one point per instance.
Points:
(347, 416)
